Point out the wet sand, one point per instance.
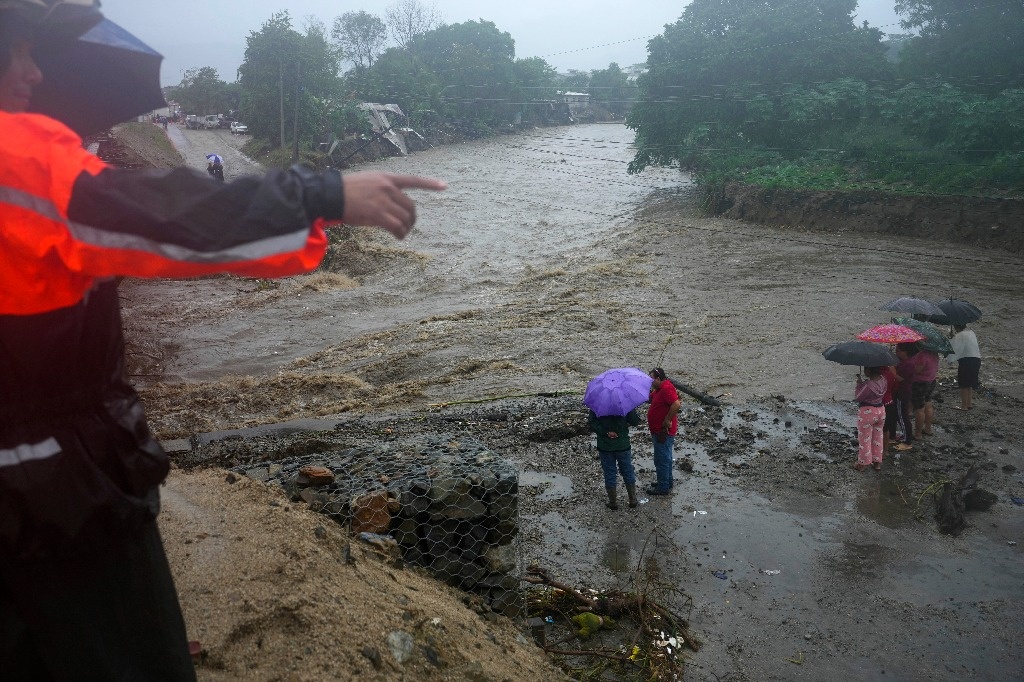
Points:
(545, 264)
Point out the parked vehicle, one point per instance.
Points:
(193, 122)
(211, 121)
(239, 128)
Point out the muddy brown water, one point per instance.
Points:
(546, 264)
(558, 265)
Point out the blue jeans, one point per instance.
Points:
(621, 458)
(663, 461)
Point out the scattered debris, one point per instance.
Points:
(627, 632)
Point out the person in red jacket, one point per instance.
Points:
(663, 424)
(85, 589)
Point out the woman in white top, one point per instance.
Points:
(968, 358)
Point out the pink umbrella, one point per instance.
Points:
(890, 333)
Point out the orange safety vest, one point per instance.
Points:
(47, 261)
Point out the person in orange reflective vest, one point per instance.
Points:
(85, 589)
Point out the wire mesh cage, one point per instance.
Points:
(450, 506)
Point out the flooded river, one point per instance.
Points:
(545, 263)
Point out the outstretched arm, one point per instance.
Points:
(378, 199)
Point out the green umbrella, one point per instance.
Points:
(934, 340)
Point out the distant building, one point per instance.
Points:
(576, 101)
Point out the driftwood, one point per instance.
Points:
(694, 393)
(614, 604)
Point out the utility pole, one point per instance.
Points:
(295, 120)
(280, 84)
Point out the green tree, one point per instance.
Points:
(576, 80)
(978, 43)
(407, 19)
(202, 92)
(360, 36)
(473, 61)
(611, 89)
(288, 80)
(534, 86)
(397, 77)
(727, 63)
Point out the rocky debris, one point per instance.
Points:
(979, 500)
(449, 504)
(401, 644)
(314, 476)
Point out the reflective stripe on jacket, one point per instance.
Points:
(78, 465)
(66, 219)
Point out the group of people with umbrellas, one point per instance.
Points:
(900, 362)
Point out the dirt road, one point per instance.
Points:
(545, 264)
(194, 145)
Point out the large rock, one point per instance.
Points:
(371, 513)
(315, 476)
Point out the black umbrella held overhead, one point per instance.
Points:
(956, 311)
(104, 77)
(861, 354)
(913, 306)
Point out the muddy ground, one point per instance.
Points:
(545, 264)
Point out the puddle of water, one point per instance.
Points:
(553, 486)
(744, 536)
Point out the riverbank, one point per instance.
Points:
(988, 222)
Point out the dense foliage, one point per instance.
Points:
(770, 91)
(289, 80)
(795, 94)
(202, 92)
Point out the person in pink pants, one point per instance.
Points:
(870, 418)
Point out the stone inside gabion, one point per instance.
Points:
(451, 506)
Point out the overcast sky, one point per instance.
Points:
(569, 34)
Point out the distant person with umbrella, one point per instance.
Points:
(215, 166)
(613, 397)
(967, 355)
(664, 425)
(85, 588)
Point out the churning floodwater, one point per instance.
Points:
(545, 263)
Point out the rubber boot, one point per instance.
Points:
(631, 491)
(611, 503)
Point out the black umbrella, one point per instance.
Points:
(861, 354)
(105, 77)
(956, 311)
(914, 306)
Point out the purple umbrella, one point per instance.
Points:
(617, 391)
